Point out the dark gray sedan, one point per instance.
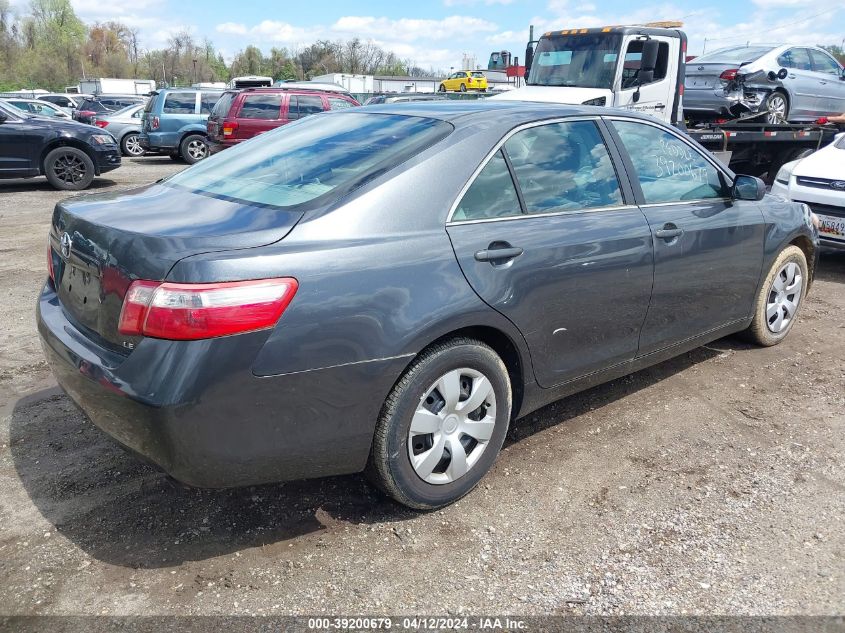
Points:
(387, 289)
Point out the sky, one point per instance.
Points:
(436, 34)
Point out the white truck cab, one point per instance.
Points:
(633, 67)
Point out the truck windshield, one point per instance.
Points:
(583, 61)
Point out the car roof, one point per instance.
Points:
(516, 112)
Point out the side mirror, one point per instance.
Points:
(748, 188)
(529, 59)
(842, 76)
(3, 117)
(648, 61)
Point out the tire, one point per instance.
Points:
(772, 318)
(69, 169)
(193, 148)
(463, 87)
(442, 88)
(130, 145)
(175, 156)
(776, 104)
(462, 363)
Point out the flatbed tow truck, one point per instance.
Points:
(642, 68)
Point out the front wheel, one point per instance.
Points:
(776, 107)
(69, 169)
(194, 148)
(780, 297)
(442, 425)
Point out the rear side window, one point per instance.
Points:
(207, 102)
(562, 166)
(224, 103)
(668, 169)
(180, 103)
(336, 103)
(295, 164)
(261, 106)
(491, 195)
(303, 105)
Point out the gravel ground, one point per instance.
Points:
(712, 483)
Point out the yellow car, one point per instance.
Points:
(464, 80)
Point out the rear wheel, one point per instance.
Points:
(69, 168)
(130, 145)
(194, 148)
(463, 87)
(442, 425)
(442, 88)
(779, 298)
(776, 107)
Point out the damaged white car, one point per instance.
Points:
(771, 84)
(819, 181)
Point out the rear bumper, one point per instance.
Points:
(195, 408)
(215, 146)
(158, 141)
(706, 102)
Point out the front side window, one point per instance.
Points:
(633, 62)
(668, 169)
(563, 166)
(797, 58)
(304, 105)
(261, 106)
(311, 159)
(180, 103)
(823, 63)
(336, 103)
(491, 195)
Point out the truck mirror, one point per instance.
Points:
(529, 58)
(782, 73)
(649, 56)
(3, 117)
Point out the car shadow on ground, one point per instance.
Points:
(124, 512)
(40, 184)
(831, 266)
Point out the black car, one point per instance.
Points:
(103, 104)
(69, 154)
(388, 287)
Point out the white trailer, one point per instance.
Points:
(117, 86)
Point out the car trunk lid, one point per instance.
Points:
(100, 244)
(706, 75)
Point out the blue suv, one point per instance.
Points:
(174, 122)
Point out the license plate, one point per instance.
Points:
(832, 227)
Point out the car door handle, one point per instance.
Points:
(668, 232)
(496, 254)
(792, 76)
(660, 106)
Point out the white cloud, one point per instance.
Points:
(470, 3)
(407, 29)
(232, 28)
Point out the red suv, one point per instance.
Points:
(241, 114)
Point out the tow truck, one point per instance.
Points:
(642, 68)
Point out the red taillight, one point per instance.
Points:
(196, 311)
(681, 90)
(154, 123)
(729, 74)
(229, 127)
(87, 113)
(50, 262)
(101, 124)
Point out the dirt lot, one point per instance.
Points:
(712, 483)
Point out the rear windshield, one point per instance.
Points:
(310, 159)
(477, 74)
(738, 54)
(221, 108)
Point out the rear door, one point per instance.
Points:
(802, 83)
(544, 236)
(20, 140)
(708, 248)
(257, 113)
(303, 105)
(831, 84)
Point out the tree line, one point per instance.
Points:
(50, 47)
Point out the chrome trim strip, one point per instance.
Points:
(685, 202)
(526, 216)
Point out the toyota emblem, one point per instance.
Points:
(67, 242)
(839, 185)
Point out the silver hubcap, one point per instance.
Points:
(777, 109)
(784, 297)
(197, 149)
(452, 426)
(133, 145)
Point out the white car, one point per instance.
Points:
(819, 181)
